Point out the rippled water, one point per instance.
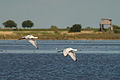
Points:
(97, 60)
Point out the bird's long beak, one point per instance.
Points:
(21, 38)
(59, 50)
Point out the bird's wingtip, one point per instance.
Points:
(76, 60)
(37, 48)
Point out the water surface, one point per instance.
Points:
(97, 60)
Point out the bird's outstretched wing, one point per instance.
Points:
(33, 42)
(73, 56)
(65, 52)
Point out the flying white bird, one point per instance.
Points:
(69, 51)
(31, 39)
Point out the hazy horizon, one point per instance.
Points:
(61, 13)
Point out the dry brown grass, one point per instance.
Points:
(61, 35)
(6, 32)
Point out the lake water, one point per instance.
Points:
(97, 60)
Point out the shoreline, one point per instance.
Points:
(65, 39)
(63, 35)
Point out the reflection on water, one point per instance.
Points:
(97, 60)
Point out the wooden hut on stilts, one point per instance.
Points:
(106, 22)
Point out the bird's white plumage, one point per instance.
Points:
(33, 42)
(65, 52)
(31, 39)
(72, 55)
(69, 51)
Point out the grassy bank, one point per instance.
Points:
(60, 35)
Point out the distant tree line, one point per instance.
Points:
(12, 24)
(75, 28)
(116, 27)
(29, 24)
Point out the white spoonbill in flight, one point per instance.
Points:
(69, 51)
(31, 39)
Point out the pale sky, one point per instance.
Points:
(61, 13)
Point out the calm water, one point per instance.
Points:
(97, 60)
